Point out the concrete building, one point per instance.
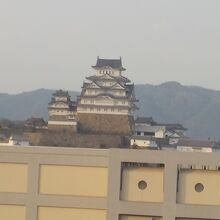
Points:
(143, 142)
(148, 127)
(107, 101)
(186, 145)
(108, 184)
(190, 145)
(148, 142)
(16, 140)
(62, 112)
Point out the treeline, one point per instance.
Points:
(7, 127)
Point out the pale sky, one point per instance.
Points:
(54, 43)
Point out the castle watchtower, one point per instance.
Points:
(62, 112)
(107, 100)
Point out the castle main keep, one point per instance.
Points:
(107, 100)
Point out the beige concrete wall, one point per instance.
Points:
(130, 217)
(12, 212)
(55, 213)
(192, 219)
(25, 172)
(153, 178)
(73, 180)
(209, 179)
(64, 183)
(13, 177)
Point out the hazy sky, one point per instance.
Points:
(54, 43)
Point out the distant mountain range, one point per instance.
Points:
(24, 105)
(198, 109)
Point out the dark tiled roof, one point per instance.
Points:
(121, 79)
(106, 94)
(85, 84)
(104, 106)
(121, 83)
(180, 134)
(115, 78)
(174, 126)
(113, 63)
(196, 143)
(35, 122)
(61, 93)
(60, 102)
(144, 120)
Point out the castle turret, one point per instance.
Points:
(62, 112)
(107, 100)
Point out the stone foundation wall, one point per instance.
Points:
(105, 124)
(68, 139)
(70, 128)
(33, 137)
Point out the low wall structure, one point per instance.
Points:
(46, 183)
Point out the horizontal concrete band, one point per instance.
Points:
(62, 123)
